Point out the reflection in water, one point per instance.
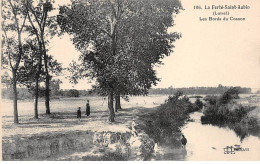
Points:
(207, 142)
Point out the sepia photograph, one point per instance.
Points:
(130, 80)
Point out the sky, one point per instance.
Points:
(208, 54)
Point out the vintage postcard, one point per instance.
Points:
(130, 80)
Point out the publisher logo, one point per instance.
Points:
(233, 149)
(229, 150)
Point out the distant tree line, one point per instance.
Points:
(56, 92)
(24, 93)
(197, 90)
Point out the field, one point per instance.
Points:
(63, 117)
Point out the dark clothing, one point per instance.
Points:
(184, 141)
(78, 113)
(87, 109)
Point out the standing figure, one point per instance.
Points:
(155, 147)
(79, 113)
(134, 132)
(183, 141)
(87, 108)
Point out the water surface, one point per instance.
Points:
(207, 142)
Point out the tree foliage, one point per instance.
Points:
(120, 42)
(141, 41)
(24, 45)
(14, 15)
(41, 26)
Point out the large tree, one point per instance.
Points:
(14, 16)
(31, 72)
(120, 42)
(40, 21)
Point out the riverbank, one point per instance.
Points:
(239, 114)
(53, 135)
(61, 136)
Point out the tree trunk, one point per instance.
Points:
(15, 98)
(37, 84)
(118, 104)
(111, 107)
(36, 99)
(47, 94)
(47, 82)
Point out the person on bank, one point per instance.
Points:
(87, 108)
(183, 141)
(79, 113)
(134, 132)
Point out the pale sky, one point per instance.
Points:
(208, 54)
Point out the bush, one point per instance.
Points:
(211, 99)
(169, 118)
(249, 122)
(217, 108)
(72, 93)
(221, 110)
(229, 95)
(240, 131)
(239, 113)
(244, 127)
(198, 104)
(222, 114)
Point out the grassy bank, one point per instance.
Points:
(164, 125)
(224, 110)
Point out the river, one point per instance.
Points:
(207, 142)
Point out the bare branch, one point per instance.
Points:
(35, 16)
(44, 17)
(34, 28)
(23, 23)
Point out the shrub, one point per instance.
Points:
(239, 113)
(211, 99)
(240, 130)
(186, 104)
(249, 122)
(169, 118)
(198, 104)
(229, 95)
(221, 110)
(217, 108)
(72, 93)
